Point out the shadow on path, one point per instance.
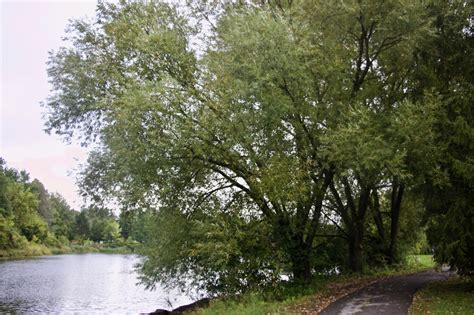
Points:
(390, 296)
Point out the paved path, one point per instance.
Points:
(390, 296)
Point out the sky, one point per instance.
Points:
(28, 30)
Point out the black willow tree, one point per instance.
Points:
(246, 126)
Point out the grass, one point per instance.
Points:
(315, 296)
(420, 261)
(31, 249)
(99, 248)
(250, 305)
(452, 296)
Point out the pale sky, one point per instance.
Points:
(29, 29)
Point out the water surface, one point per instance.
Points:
(79, 283)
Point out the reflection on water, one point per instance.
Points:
(85, 283)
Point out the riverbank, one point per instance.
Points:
(291, 299)
(33, 249)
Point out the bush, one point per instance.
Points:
(9, 236)
(34, 228)
(52, 241)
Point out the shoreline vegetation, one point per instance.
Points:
(452, 296)
(35, 222)
(36, 249)
(323, 290)
(288, 298)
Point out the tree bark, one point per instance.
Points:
(295, 246)
(396, 202)
(356, 258)
(301, 263)
(378, 217)
(356, 254)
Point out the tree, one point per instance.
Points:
(64, 219)
(379, 155)
(134, 224)
(28, 213)
(82, 226)
(126, 219)
(24, 204)
(102, 224)
(44, 208)
(245, 123)
(448, 66)
(5, 206)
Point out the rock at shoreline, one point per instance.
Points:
(198, 304)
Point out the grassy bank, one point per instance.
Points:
(101, 248)
(33, 249)
(453, 296)
(290, 299)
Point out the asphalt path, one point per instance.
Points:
(391, 296)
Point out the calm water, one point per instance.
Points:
(79, 283)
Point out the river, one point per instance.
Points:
(79, 283)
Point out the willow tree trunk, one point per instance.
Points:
(396, 203)
(298, 250)
(356, 254)
(301, 262)
(356, 230)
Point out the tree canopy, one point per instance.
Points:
(250, 129)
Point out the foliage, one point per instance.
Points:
(134, 223)
(330, 253)
(82, 226)
(97, 224)
(244, 139)
(288, 298)
(35, 222)
(104, 230)
(64, 218)
(223, 254)
(447, 65)
(44, 209)
(420, 261)
(9, 236)
(260, 119)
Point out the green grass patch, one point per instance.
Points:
(452, 296)
(249, 305)
(420, 261)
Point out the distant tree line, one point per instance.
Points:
(30, 214)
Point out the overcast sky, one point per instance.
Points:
(29, 29)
